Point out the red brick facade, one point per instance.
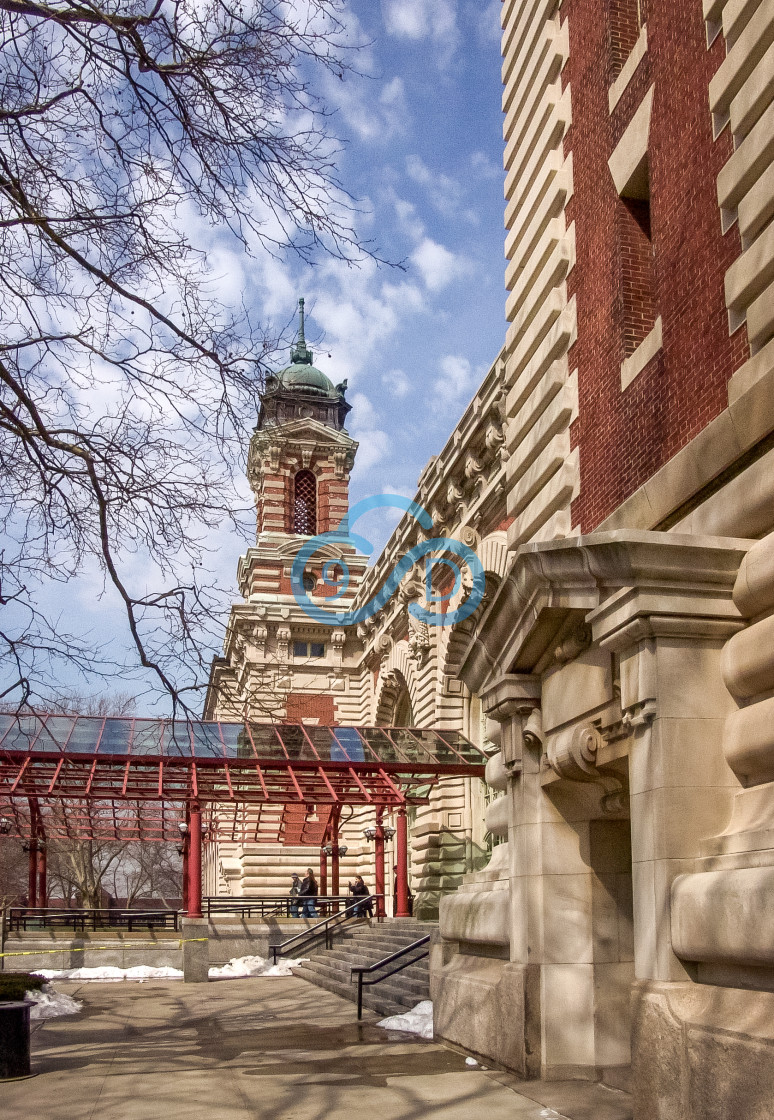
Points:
(620, 287)
(304, 706)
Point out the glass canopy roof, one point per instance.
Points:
(237, 742)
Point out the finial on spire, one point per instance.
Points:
(300, 354)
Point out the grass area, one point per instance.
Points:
(13, 985)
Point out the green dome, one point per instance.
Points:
(306, 377)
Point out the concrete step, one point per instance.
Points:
(346, 960)
(412, 975)
(396, 990)
(366, 945)
(372, 1001)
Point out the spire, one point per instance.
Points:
(300, 354)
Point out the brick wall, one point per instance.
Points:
(302, 706)
(624, 437)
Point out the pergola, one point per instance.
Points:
(89, 778)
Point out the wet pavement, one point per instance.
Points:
(278, 1049)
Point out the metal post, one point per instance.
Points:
(323, 872)
(360, 995)
(185, 874)
(335, 859)
(195, 862)
(402, 865)
(32, 879)
(42, 874)
(379, 865)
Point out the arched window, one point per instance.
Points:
(305, 504)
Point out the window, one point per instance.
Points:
(625, 21)
(308, 649)
(637, 279)
(305, 504)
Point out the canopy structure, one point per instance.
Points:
(81, 777)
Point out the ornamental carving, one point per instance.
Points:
(573, 754)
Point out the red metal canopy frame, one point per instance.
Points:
(80, 777)
(65, 777)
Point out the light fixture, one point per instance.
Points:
(5, 826)
(370, 833)
(342, 850)
(181, 849)
(388, 832)
(183, 827)
(328, 849)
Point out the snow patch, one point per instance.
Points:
(48, 1003)
(471, 1062)
(417, 1021)
(109, 973)
(236, 967)
(253, 966)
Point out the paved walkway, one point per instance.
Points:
(274, 1049)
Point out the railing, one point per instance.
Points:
(360, 969)
(325, 928)
(271, 906)
(45, 917)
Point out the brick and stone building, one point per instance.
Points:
(615, 475)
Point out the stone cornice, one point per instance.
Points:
(610, 579)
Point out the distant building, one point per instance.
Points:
(615, 475)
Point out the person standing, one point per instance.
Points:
(295, 890)
(360, 890)
(308, 895)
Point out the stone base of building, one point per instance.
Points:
(702, 1052)
(484, 1004)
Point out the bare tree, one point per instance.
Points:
(13, 872)
(130, 131)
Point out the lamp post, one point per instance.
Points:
(401, 855)
(379, 834)
(183, 850)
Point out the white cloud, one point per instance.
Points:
(423, 19)
(374, 442)
(456, 377)
(488, 22)
(444, 193)
(484, 166)
(370, 118)
(397, 382)
(437, 265)
(408, 220)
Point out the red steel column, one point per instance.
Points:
(379, 865)
(402, 862)
(32, 874)
(185, 874)
(335, 858)
(195, 862)
(42, 874)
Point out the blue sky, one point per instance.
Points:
(424, 154)
(421, 128)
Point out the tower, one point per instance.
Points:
(279, 663)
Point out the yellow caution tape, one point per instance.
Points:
(107, 948)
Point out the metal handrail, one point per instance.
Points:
(324, 927)
(361, 968)
(266, 906)
(44, 917)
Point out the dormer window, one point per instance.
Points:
(305, 504)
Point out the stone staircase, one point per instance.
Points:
(364, 944)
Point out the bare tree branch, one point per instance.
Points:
(132, 137)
